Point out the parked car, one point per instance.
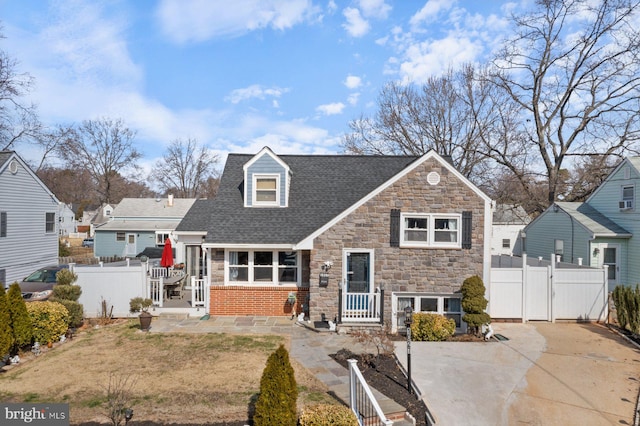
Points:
(87, 242)
(39, 285)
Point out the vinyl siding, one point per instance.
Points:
(542, 233)
(266, 165)
(105, 243)
(605, 200)
(26, 247)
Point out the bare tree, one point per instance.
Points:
(573, 66)
(450, 114)
(186, 169)
(18, 118)
(104, 148)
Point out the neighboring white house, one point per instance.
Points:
(66, 220)
(508, 222)
(28, 220)
(103, 214)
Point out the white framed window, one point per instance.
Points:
(50, 223)
(448, 305)
(506, 243)
(266, 190)
(120, 236)
(628, 196)
(262, 267)
(161, 238)
(430, 230)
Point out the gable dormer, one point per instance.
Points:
(266, 180)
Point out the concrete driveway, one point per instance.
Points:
(545, 374)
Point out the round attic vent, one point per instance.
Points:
(433, 178)
(13, 167)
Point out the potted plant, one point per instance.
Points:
(142, 305)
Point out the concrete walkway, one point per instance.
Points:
(545, 374)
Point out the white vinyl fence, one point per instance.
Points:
(548, 293)
(116, 285)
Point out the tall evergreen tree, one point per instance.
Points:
(6, 337)
(276, 404)
(20, 321)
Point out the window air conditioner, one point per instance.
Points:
(625, 204)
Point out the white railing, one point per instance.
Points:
(361, 399)
(198, 292)
(156, 290)
(360, 307)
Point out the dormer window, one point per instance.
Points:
(266, 190)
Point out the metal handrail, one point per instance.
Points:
(362, 401)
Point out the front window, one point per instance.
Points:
(447, 305)
(50, 223)
(120, 236)
(265, 190)
(263, 267)
(430, 230)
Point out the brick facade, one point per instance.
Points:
(253, 300)
(428, 270)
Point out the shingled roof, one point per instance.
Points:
(322, 187)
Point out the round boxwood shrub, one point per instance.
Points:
(328, 415)
(428, 327)
(50, 321)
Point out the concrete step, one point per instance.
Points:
(173, 315)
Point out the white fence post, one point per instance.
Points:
(524, 287)
(552, 288)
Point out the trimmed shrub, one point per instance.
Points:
(20, 321)
(6, 336)
(618, 296)
(328, 415)
(63, 250)
(428, 327)
(474, 303)
(50, 321)
(627, 302)
(276, 404)
(66, 293)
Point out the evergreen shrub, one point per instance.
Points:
(276, 404)
(20, 321)
(474, 303)
(6, 336)
(66, 293)
(50, 321)
(327, 415)
(427, 327)
(627, 302)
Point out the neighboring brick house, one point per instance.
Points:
(337, 230)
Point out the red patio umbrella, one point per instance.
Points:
(167, 255)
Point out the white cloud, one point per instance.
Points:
(353, 82)
(254, 91)
(353, 98)
(430, 11)
(331, 109)
(200, 20)
(375, 8)
(355, 25)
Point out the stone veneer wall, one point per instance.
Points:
(401, 269)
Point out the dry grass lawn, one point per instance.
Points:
(177, 378)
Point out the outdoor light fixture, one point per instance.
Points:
(408, 319)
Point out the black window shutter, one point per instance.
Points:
(394, 238)
(466, 229)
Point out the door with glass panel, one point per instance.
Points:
(358, 279)
(610, 255)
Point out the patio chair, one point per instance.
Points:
(176, 292)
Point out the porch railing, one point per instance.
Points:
(198, 292)
(361, 307)
(361, 399)
(156, 290)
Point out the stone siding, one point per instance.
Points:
(429, 270)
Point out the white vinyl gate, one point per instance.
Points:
(550, 293)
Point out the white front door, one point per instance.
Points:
(610, 256)
(130, 247)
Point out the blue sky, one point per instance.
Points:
(238, 75)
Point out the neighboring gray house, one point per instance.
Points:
(604, 230)
(138, 223)
(102, 215)
(28, 220)
(327, 234)
(508, 222)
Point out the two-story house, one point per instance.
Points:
(28, 220)
(351, 238)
